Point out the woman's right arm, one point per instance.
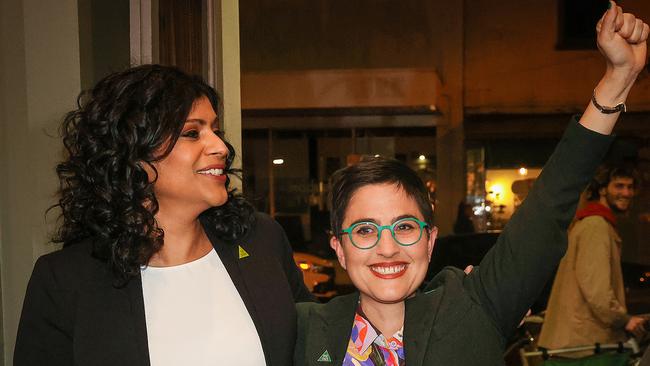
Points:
(43, 336)
(513, 272)
(621, 39)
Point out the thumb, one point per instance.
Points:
(608, 27)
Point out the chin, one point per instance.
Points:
(218, 199)
(391, 297)
(220, 202)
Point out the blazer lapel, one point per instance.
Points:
(332, 325)
(229, 257)
(136, 299)
(420, 315)
(241, 272)
(228, 253)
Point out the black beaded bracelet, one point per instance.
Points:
(607, 110)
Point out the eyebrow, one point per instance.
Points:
(203, 122)
(395, 219)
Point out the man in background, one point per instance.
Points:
(587, 303)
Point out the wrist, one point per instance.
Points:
(618, 81)
(614, 88)
(606, 109)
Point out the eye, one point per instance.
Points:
(190, 133)
(364, 230)
(404, 226)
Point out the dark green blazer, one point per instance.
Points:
(466, 319)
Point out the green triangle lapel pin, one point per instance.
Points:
(242, 253)
(325, 357)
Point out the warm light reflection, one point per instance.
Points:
(498, 185)
(278, 161)
(304, 266)
(523, 171)
(496, 190)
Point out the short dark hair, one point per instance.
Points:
(605, 174)
(345, 182)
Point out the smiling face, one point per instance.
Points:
(192, 175)
(618, 193)
(387, 272)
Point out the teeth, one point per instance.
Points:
(211, 172)
(388, 270)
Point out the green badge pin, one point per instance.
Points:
(242, 253)
(325, 357)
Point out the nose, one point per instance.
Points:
(216, 146)
(387, 246)
(625, 191)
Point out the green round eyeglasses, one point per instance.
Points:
(366, 234)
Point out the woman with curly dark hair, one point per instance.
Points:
(162, 263)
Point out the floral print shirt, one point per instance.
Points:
(368, 347)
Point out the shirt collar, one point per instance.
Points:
(364, 334)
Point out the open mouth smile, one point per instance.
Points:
(211, 172)
(388, 270)
(214, 172)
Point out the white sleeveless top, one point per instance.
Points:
(195, 316)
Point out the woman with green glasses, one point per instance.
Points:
(384, 235)
(405, 231)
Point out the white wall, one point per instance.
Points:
(39, 82)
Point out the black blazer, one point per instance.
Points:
(466, 319)
(73, 315)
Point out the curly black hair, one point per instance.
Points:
(106, 196)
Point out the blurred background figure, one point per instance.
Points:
(587, 303)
